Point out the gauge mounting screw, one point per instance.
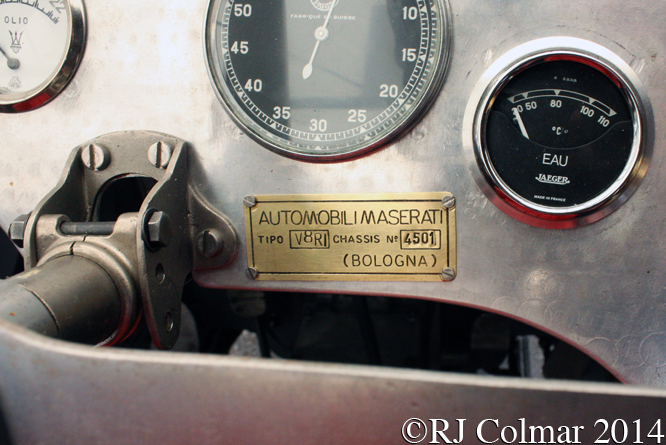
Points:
(95, 157)
(250, 201)
(448, 201)
(448, 274)
(252, 273)
(159, 154)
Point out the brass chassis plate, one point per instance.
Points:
(369, 237)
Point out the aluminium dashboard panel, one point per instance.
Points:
(602, 286)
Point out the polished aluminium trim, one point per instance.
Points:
(83, 395)
(491, 84)
(240, 118)
(57, 82)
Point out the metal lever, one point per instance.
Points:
(71, 298)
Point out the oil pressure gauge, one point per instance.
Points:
(41, 45)
(560, 132)
(325, 79)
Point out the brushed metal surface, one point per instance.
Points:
(602, 286)
(60, 392)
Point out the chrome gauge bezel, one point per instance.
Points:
(412, 112)
(490, 86)
(60, 78)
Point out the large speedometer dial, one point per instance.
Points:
(326, 79)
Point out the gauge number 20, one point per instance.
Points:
(388, 91)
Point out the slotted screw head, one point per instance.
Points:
(159, 154)
(95, 157)
(448, 274)
(210, 243)
(448, 201)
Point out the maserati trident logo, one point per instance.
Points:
(16, 41)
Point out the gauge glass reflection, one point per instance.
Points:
(41, 44)
(312, 78)
(560, 133)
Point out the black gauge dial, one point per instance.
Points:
(560, 132)
(326, 79)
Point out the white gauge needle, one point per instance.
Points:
(320, 34)
(520, 123)
(12, 63)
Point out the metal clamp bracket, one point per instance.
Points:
(149, 253)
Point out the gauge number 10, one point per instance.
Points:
(410, 13)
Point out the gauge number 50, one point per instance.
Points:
(241, 10)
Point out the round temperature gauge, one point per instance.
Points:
(560, 135)
(326, 79)
(41, 44)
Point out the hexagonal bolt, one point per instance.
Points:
(17, 229)
(448, 274)
(448, 201)
(210, 243)
(159, 229)
(95, 157)
(252, 273)
(159, 154)
(250, 201)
